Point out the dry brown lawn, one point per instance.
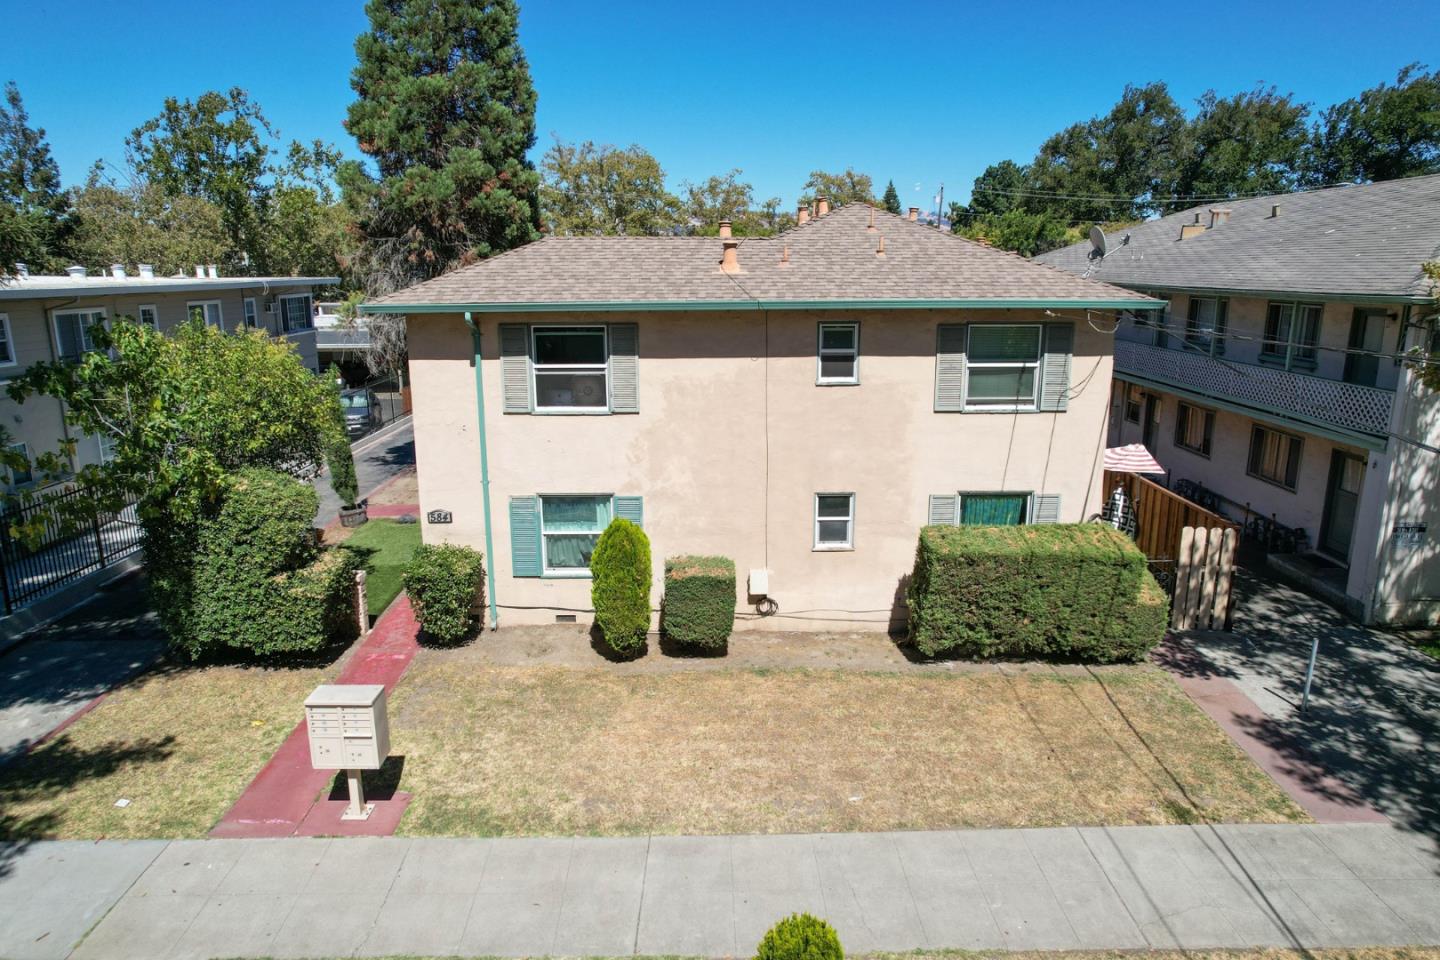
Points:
(1358, 953)
(179, 744)
(551, 750)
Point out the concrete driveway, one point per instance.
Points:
(378, 457)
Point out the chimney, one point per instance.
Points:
(75, 271)
(880, 248)
(914, 214)
(22, 270)
(822, 205)
(147, 271)
(1274, 210)
(871, 227)
(730, 257)
(1218, 215)
(1188, 230)
(802, 214)
(117, 270)
(212, 271)
(199, 271)
(725, 230)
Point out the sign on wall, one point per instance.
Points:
(439, 516)
(1408, 536)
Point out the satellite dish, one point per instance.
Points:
(1097, 240)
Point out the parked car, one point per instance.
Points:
(362, 411)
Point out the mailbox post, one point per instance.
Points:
(349, 731)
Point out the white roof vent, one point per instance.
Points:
(117, 270)
(147, 271)
(199, 271)
(212, 271)
(75, 271)
(22, 270)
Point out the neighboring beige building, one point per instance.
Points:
(46, 318)
(802, 404)
(1273, 377)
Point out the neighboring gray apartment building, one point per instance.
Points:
(1274, 380)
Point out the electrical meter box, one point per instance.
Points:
(348, 727)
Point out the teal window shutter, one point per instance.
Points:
(1047, 508)
(950, 368)
(525, 547)
(942, 510)
(1055, 382)
(515, 367)
(630, 508)
(624, 368)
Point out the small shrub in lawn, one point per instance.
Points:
(699, 607)
(620, 588)
(800, 937)
(1039, 590)
(445, 581)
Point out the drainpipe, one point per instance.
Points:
(484, 472)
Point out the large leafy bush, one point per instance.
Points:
(445, 582)
(620, 591)
(699, 607)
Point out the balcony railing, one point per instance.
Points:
(1333, 403)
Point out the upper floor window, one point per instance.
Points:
(207, 311)
(834, 521)
(250, 318)
(838, 360)
(1133, 398)
(1194, 428)
(7, 344)
(1274, 457)
(148, 315)
(1205, 324)
(72, 332)
(570, 368)
(295, 313)
(1291, 332)
(1003, 362)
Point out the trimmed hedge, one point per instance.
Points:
(800, 937)
(1040, 590)
(699, 606)
(620, 588)
(445, 582)
(257, 580)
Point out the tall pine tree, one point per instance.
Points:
(446, 111)
(34, 212)
(892, 198)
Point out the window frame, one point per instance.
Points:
(1037, 365)
(251, 313)
(309, 314)
(13, 360)
(1296, 443)
(536, 369)
(818, 546)
(154, 321)
(1207, 428)
(1026, 518)
(10, 471)
(98, 314)
(567, 573)
(219, 323)
(1213, 342)
(821, 352)
(1139, 403)
(1290, 352)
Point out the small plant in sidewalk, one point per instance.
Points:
(620, 590)
(800, 937)
(699, 605)
(445, 582)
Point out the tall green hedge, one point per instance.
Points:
(256, 579)
(445, 581)
(1068, 591)
(620, 589)
(699, 606)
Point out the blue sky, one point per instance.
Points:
(922, 93)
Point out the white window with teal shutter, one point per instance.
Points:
(1003, 367)
(992, 509)
(554, 535)
(570, 368)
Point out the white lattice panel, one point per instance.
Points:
(1345, 405)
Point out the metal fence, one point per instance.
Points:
(65, 552)
(390, 403)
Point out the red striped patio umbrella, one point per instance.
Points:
(1131, 458)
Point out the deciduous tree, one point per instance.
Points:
(1387, 132)
(591, 189)
(848, 186)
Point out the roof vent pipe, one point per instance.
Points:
(199, 271)
(880, 248)
(1274, 210)
(822, 205)
(147, 271)
(871, 227)
(117, 270)
(785, 255)
(725, 229)
(914, 214)
(1219, 215)
(730, 255)
(75, 271)
(22, 270)
(802, 214)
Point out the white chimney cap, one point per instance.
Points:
(22, 270)
(117, 270)
(147, 271)
(75, 271)
(212, 271)
(199, 271)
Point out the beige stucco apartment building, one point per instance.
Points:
(1275, 378)
(802, 404)
(45, 318)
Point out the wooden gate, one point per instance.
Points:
(1203, 572)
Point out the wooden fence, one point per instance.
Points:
(1161, 515)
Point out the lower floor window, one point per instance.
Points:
(20, 475)
(1274, 457)
(570, 527)
(1132, 403)
(993, 509)
(834, 521)
(1194, 427)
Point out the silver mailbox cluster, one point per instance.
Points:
(348, 727)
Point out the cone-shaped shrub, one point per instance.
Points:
(620, 590)
(800, 937)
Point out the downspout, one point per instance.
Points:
(484, 472)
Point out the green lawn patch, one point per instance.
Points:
(386, 546)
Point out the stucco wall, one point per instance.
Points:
(734, 439)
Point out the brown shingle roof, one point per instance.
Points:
(832, 259)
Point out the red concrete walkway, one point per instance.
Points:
(288, 797)
(1319, 794)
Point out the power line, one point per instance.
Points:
(1147, 198)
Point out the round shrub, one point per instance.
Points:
(444, 582)
(800, 937)
(620, 589)
(699, 607)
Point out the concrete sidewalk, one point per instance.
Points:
(1064, 888)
